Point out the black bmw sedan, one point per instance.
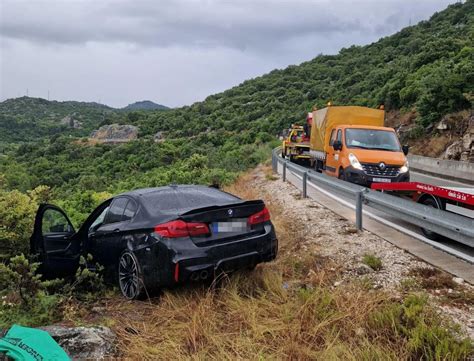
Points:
(158, 237)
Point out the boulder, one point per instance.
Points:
(454, 151)
(443, 124)
(159, 137)
(115, 133)
(70, 122)
(82, 343)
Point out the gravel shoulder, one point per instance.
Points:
(330, 235)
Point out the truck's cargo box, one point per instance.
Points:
(324, 120)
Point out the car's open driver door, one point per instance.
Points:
(55, 242)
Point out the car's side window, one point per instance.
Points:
(130, 210)
(116, 210)
(331, 139)
(55, 222)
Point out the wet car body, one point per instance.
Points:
(159, 237)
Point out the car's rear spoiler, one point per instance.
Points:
(255, 203)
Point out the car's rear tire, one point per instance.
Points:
(430, 202)
(130, 277)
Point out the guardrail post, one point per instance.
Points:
(359, 196)
(284, 171)
(274, 163)
(305, 183)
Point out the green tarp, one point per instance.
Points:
(26, 344)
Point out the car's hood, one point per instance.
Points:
(377, 156)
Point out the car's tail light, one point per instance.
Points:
(179, 228)
(260, 217)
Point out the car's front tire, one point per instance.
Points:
(130, 276)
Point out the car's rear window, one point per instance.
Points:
(182, 199)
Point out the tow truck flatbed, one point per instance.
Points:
(461, 195)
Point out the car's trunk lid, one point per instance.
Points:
(226, 222)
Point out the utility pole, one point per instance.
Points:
(48, 95)
(27, 92)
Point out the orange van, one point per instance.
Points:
(351, 143)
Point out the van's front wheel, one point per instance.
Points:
(342, 174)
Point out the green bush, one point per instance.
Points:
(428, 336)
(372, 261)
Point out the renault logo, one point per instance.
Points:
(382, 166)
(230, 212)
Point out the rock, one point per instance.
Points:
(84, 342)
(458, 280)
(115, 133)
(337, 283)
(453, 151)
(70, 122)
(363, 269)
(443, 124)
(159, 137)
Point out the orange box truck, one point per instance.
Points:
(351, 143)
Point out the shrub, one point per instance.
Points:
(372, 261)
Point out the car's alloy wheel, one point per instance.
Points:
(130, 277)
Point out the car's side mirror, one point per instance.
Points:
(405, 149)
(337, 145)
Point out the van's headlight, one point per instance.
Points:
(404, 168)
(355, 162)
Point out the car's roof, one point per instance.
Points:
(170, 188)
(178, 199)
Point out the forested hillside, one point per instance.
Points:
(28, 119)
(145, 105)
(428, 67)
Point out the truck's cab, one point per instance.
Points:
(366, 154)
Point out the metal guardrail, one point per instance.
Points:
(447, 224)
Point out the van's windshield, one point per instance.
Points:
(372, 139)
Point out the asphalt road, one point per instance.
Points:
(447, 245)
(424, 178)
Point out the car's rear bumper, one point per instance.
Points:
(193, 263)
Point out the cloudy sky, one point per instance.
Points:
(175, 52)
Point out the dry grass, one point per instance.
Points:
(287, 309)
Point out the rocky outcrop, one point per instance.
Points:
(84, 343)
(70, 122)
(463, 148)
(159, 137)
(115, 133)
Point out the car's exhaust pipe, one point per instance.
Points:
(204, 274)
(194, 276)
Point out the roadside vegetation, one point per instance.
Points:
(287, 309)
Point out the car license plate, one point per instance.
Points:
(382, 180)
(230, 226)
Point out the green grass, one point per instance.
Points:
(372, 261)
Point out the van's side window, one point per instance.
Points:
(331, 139)
(339, 135)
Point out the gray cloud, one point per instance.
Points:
(240, 24)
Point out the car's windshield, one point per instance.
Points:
(372, 139)
(99, 220)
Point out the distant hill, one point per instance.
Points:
(145, 105)
(26, 118)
